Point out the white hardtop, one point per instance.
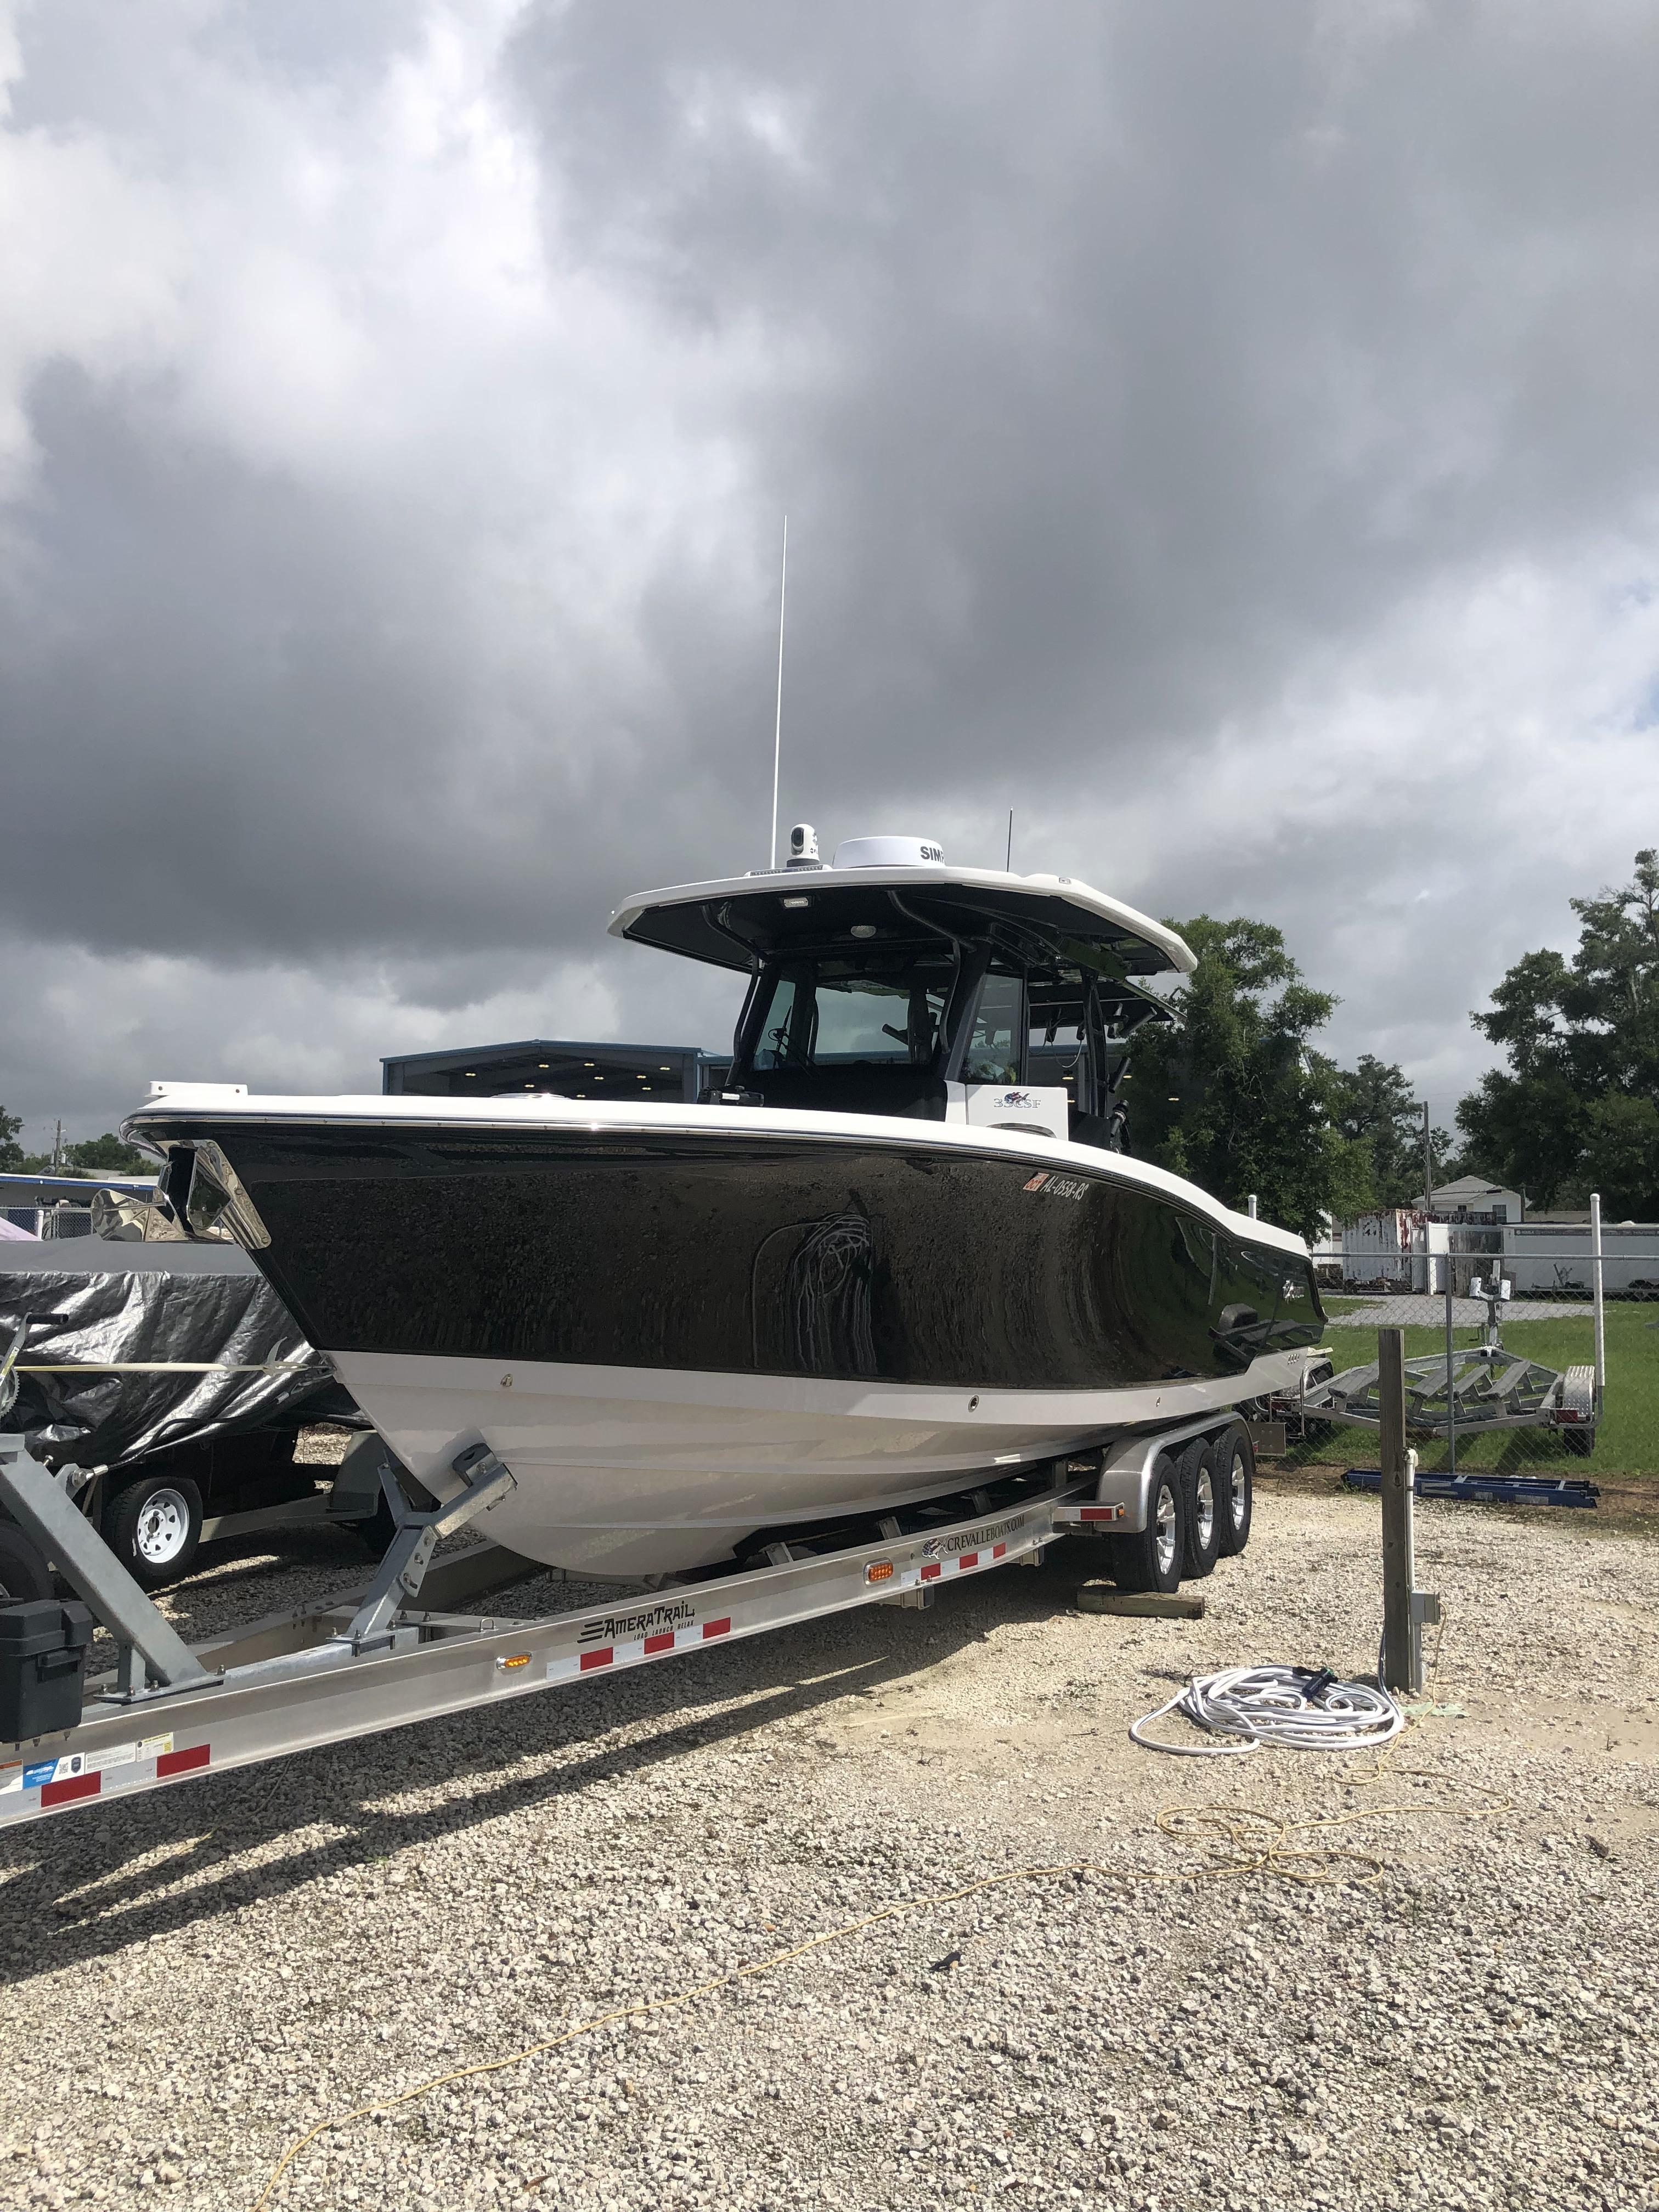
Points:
(1062, 891)
(201, 1102)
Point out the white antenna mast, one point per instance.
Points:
(777, 734)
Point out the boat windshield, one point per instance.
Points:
(878, 1010)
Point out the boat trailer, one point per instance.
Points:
(376, 1658)
(1465, 1392)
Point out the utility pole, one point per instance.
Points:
(57, 1148)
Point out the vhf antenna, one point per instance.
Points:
(777, 733)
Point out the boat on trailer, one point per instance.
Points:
(898, 1249)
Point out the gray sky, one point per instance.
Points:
(1227, 435)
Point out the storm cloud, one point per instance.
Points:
(1227, 436)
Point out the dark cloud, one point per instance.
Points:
(1228, 436)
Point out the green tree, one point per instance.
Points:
(11, 1152)
(1374, 1103)
(1577, 1108)
(107, 1155)
(1233, 1096)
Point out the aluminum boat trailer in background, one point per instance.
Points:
(1464, 1391)
(375, 1659)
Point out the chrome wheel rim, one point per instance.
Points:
(1165, 1539)
(1205, 1497)
(163, 1528)
(1236, 1493)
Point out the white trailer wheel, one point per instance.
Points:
(154, 1528)
(163, 1528)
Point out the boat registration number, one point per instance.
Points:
(1058, 1186)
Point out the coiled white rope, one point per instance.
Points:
(1298, 1708)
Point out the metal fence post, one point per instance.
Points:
(1401, 1659)
(1598, 1293)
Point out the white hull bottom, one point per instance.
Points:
(629, 1471)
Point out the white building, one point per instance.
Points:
(1473, 1199)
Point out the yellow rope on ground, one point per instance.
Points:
(1265, 1840)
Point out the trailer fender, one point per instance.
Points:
(1126, 1474)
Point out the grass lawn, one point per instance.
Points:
(1626, 1443)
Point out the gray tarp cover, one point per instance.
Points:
(124, 1302)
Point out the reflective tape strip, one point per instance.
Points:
(968, 1559)
(655, 1646)
(66, 1793)
(932, 1571)
(182, 1762)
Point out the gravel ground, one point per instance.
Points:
(195, 1978)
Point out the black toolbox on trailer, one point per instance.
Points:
(43, 1652)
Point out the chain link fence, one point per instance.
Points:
(65, 1219)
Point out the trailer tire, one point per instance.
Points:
(1232, 1466)
(1201, 1540)
(1151, 1558)
(154, 1526)
(23, 1573)
(1579, 1443)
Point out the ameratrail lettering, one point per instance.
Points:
(649, 1620)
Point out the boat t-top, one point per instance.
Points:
(896, 1249)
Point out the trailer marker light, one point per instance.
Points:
(518, 1659)
(879, 1570)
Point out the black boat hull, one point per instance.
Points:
(676, 1329)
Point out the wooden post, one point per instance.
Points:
(1451, 1373)
(1401, 1669)
(1599, 1299)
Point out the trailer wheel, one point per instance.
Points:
(1579, 1443)
(1232, 1466)
(1202, 1545)
(154, 1526)
(1151, 1559)
(23, 1573)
